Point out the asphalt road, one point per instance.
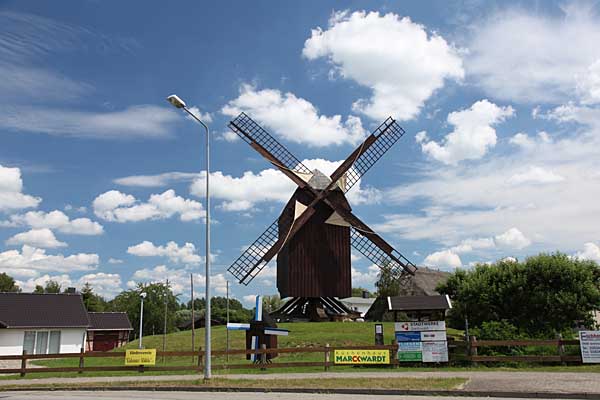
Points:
(207, 396)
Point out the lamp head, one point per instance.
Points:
(143, 295)
(176, 101)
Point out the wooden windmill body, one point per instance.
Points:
(316, 230)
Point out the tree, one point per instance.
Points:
(387, 284)
(39, 289)
(8, 284)
(92, 301)
(154, 307)
(541, 296)
(271, 303)
(52, 287)
(358, 292)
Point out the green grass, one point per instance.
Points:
(323, 384)
(301, 335)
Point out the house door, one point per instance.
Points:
(105, 341)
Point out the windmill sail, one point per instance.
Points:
(367, 154)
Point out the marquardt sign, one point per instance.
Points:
(361, 356)
(420, 326)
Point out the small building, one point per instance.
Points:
(107, 330)
(411, 308)
(42, 323)
(359, 304)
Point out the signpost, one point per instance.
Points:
(589, 342)
(140, 357)
(361, 356)
(423, 341)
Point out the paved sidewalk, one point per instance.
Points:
(479, 381)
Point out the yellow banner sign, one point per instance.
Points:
(140, 357)
(361, 357)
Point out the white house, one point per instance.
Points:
(42, 323)
(358, 304)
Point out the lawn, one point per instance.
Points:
(301, 335)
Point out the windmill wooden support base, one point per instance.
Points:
(314, 309)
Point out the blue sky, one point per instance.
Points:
(101, 181)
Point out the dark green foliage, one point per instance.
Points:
(154, 307)
(237, 312)
(358, 292)
(38, 289)
(92, 301)
(7, 284)
(52, 287)
(542, 296)
(387, 284)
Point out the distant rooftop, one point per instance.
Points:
(109, 321)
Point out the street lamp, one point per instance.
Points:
(179, 103)
(142, 297)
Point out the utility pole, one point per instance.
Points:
(193, 319)
(166, 293)
(227, 330)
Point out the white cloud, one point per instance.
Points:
(365, 278)
(249, 300)
(229, 136)
(29, 285)
(185, 254)
(204, 117)
(513, 239)
(526, 142)
(179, 279)
(397, 59)
(294, 119)
(140, 121)
(11, 191)
(105, 284)
(443, 259)
(591, 251)
(473, 133)
(43, 238)
(158, 180)
(526, 56)
(469, 245)
(120, 207)
(535, 175)
(588, 85)
(58, 221)
(115, 261)
(270, 185)
(30, 261)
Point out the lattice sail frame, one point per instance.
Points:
(250, 132)
(387, 134)
(399, 266)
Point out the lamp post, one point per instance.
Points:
(178, 103)
(142, 297)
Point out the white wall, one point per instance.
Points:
(71, 340)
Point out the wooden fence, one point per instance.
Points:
(460, 351)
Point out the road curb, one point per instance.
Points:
(391, 392)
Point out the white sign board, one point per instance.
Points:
(589, 342)
(435, 352)
(433, 336)
(420, 326)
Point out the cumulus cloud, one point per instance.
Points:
(270, 185)
(116, 206)
(59, 221)
(179, 279)
(185, 254)
(588, 84)
(591, 251)
(473, 133)
(365, 278)
(513, 239)
(43, 238)
(295, 119)
(469, 245)
(11, 191)
(158, 180)
(563, 63)
(400, 61)
(115, 261)
(30, 261)
(104, 284)
(443, 259)
(527, 142)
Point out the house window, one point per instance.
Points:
(29, 341)
(43, 342)
(54, 343)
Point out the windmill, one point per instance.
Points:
(313, 235)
